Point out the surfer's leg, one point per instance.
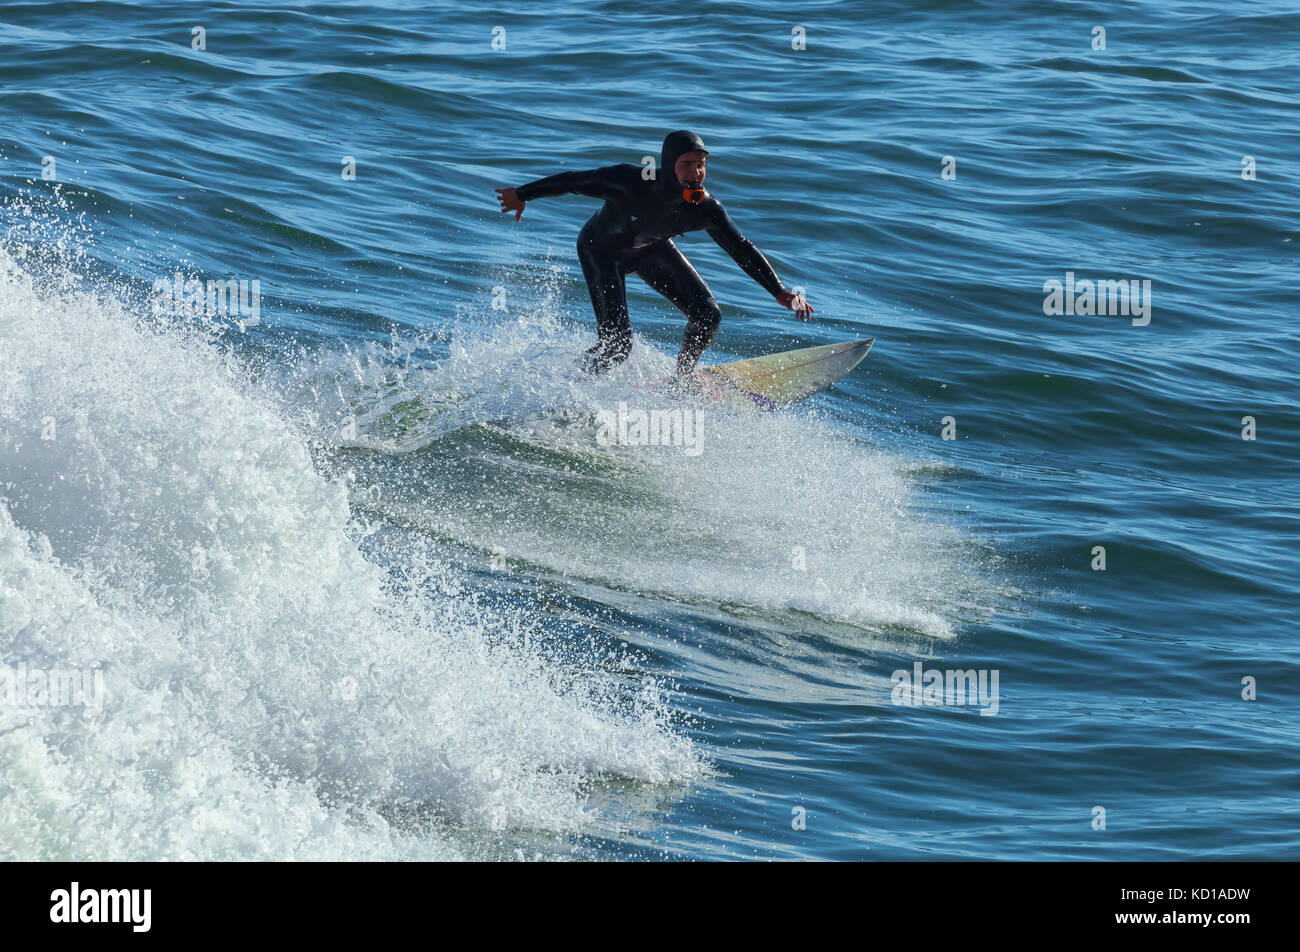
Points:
(669, 273)
(605, 281)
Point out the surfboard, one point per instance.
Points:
(777, 380)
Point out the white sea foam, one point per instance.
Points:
(778, 513)
(271, 693)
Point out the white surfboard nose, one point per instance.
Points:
(793, 375)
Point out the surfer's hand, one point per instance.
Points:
(510, 202)
(796, 302)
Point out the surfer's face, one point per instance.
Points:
(690, 168)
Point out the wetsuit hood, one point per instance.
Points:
(676, 144)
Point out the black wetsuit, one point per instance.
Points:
(633, 232)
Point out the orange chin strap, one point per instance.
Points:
(693, 196)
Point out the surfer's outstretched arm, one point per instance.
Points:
(724, 231)
(604, 183)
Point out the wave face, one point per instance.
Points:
(777, 515)
(270, 692)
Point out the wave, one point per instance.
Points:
(792, 515)
(273, 690)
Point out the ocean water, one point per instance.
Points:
(358, 580)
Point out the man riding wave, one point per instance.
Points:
(632, 233)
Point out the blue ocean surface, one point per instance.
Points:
(342, 571)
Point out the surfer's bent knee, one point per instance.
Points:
(704, 318)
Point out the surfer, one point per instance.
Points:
(632, 233)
